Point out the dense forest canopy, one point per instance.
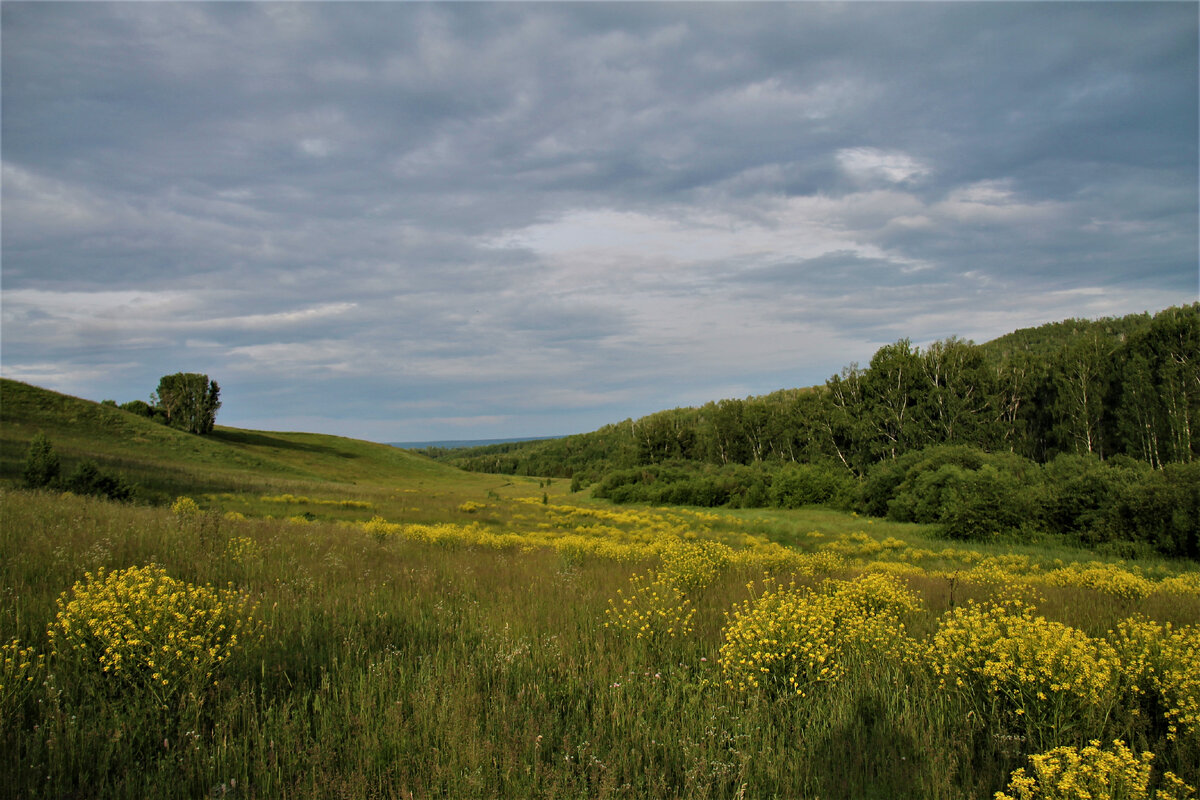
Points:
(1102, 395)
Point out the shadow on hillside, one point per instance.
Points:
(261, 440)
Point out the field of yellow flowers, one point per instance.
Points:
(529, 643)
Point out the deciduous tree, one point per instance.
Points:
(189, 400)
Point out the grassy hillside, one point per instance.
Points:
(164, 462)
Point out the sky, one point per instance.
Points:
(410, 221)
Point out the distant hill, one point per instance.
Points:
(164, 461)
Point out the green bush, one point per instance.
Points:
(1081, 491)
(88, 479)
(688, 484)
(879, 486)
(41, 464)
(797, 485)
(985, 504)
(1163, 509)
(888, 480)
(923, 496)
(972, 494)
(143, 409)
(918, 496)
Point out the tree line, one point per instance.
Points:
(1112, 394)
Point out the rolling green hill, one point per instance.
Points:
(164, 462)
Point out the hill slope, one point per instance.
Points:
(164, 460)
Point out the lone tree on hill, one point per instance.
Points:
(189, 400)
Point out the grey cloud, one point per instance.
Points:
(592, 196)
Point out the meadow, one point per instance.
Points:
(521, 648)
(313, 617)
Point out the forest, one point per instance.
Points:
(1088, 429)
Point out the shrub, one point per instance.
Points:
(141, 629)
(923, 496)
(88, 479)
(1023, 671)
(879, 486)
(972, 494)
(1161, 668)
(985, 504)
(42, 466)
(790, 640)
(1090, 773)
(143, 409)
(655, 608)
(797, 485)
(903, 490)
(1162, 509)
(1082, 489)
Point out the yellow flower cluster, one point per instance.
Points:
(447, 534)
(692, 565)
(574, 548)
(20, 668)
(242, 550)
(1091, 773)
(898, 568)
(773, 557)
(1107, 578)
(1162, 663)
(1009, 659)
(142, 626)
(878, 593)
(1185, 583)
(596, 539)
(856, 545)
(793, 640)
(293, 499)
(655, 608)
(184, 507)
(641, 524)
(639, 534)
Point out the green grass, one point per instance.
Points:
(393, 667)
(164, 462)
(397, 668)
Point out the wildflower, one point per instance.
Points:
(1066, 773)
(793, 640)
(149, 629)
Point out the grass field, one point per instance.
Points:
(396, 628)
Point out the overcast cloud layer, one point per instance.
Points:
(407, 222)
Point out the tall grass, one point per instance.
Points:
(395, 668)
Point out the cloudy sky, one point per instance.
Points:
(448, 221)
